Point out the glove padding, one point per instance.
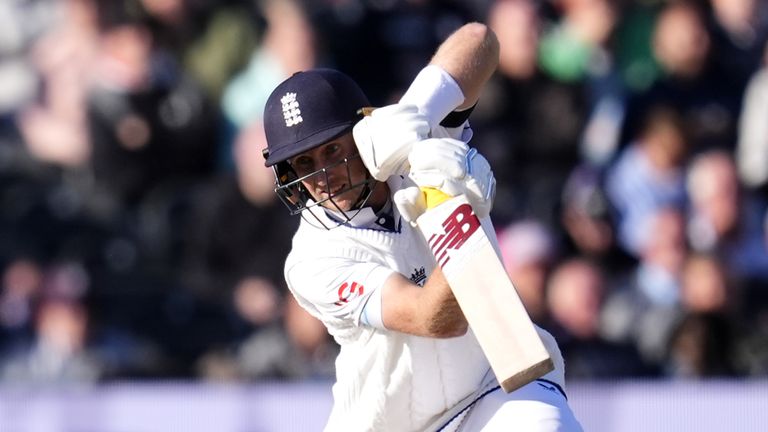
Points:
(410, 202)
(385, 138)
(452, 167)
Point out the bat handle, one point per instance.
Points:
(434, 196)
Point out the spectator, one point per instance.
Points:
(528, 251)
(403, 33)
(647, 176)
(258, 347)
(577, 48)
(587, 220)
(281, 340)
(58, 355)
(60, 352)
(289, 44)
(702, 346)
(313, 350)
(151, 125)
(713, 336)
(726, 220)
(211, 40)
(691, 82)
(576, 45)
(739, 30)
(22, 279)
(705, 286)
(235, 226)
(21, 24)
(752, 147)
(575, 295)
(643, 310)
(54, 128)
(232, 240)
(531, 123)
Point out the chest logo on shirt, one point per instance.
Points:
(348, 291)
(419, 276)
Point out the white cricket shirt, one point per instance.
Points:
(386, 380)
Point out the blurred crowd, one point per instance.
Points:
(140, 237)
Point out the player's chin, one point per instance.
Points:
(343, 201)
(339, 204)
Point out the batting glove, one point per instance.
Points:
(452, 167)
(385, 138)
(410, 202)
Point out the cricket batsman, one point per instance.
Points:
(408, 360)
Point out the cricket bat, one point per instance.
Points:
(483, 290)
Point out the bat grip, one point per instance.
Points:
(434, 196)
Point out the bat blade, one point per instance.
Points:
(485, 293)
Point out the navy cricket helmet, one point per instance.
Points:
(309, 109)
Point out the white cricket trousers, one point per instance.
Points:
(536, 407)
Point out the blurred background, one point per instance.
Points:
(141, 245)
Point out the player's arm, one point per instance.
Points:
(441, 95)
(366, 293)
(455, 76)
(453, 168)
(429, 311)
(470, 56)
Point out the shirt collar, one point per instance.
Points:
(384, 219)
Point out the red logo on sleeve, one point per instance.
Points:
(348, 291)
(459, 226)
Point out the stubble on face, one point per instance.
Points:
(333, 174)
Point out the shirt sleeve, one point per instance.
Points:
(341, 288)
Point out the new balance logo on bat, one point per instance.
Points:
(459, 226)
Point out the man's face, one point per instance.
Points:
(331, 174)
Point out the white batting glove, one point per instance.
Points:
(385, 138)
(452, 167)
(410, 202)
(479, 184)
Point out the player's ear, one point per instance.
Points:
(287, 186)
(365, 111)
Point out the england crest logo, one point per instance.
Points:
(291, 111)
